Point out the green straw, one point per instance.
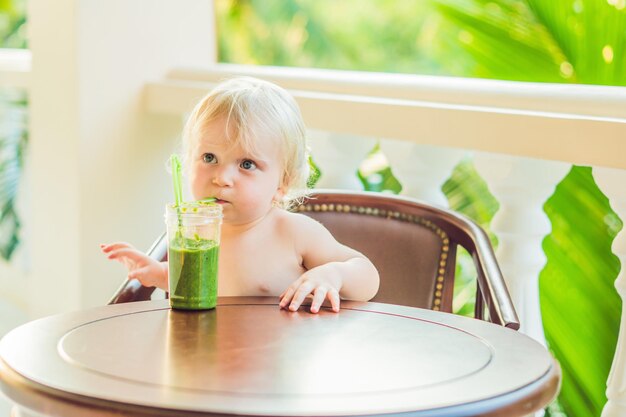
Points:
(177, 179)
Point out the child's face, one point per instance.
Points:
(244, 184)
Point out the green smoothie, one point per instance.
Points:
(193, 273)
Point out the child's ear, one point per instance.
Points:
(279, 195)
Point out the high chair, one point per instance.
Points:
(412, 244)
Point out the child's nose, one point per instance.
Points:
(223, 177)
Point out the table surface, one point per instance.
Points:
(249, 357)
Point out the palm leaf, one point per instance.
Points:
(591, 32)
(564, 41)
(504, 40)
(580, 306)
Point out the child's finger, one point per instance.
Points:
(335, 301)
(287, 295)
(113, 246)
(141, 274)
(133, 254)
(303, 290)
(318, 299)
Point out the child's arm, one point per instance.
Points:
(150, 272)
(333, 270)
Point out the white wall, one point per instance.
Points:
(95, 156)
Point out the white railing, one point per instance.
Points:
(506, 117)
(15, 65)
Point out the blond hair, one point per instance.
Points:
(251, 106)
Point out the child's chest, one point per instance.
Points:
(257, 266)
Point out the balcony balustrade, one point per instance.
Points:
(523, 145)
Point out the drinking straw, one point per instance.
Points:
(177, 179)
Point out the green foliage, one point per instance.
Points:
(314, 174)
(590, 34)
(504, 40)
(12, 24)
(467, 193)
(350, 34)
(579, 41)
(12, 146)
(12, 129)
(379, 176)
(381, 180)
(581, 309)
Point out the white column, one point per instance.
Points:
(522, 186)
(612, 182)
(97, 157)
(338, 157)
(422, 170)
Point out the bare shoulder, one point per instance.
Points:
(313, 242)
(300, 224)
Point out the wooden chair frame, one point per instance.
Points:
(493, 302)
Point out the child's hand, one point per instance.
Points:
(321, 282)
(150, 272)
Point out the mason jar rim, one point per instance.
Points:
(200, 209)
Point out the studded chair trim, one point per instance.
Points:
(399, 216)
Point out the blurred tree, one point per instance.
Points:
(13, 134)
(352, 34)
(12, 23)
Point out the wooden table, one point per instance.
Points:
(248, 357)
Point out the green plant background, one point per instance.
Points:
(573, 41)
(13, 133)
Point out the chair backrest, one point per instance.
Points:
(412, 244)
(413, 255)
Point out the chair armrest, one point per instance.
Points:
(491, 286)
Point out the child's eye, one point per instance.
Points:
(248, 165)
(209, 158)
